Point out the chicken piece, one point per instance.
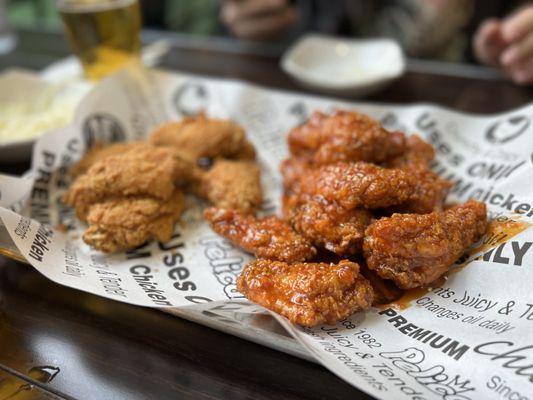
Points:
(344, 136)
(247, 152)
(147, 170)
(267, 237)
(429, 192)
(233, 184)
(359, 185)
(127, 222)
(185, 171)
(204, 137)
(385, 292)
(292, 170)
(418, 153)
(307, 294)
(289, 201)
(331, 226)
(413, 250)
(100, 151)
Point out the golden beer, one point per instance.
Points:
(104, 34)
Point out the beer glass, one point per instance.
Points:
(104, 34)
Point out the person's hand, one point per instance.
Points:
(508, 45)
(257, 19)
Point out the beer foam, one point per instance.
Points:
(85, 6)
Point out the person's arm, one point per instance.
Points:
(257, 19)
(508, 44)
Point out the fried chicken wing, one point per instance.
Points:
(344, 136)
(100, 151)
(359, 185)
(307, 294)
(246, 152)
(267, 237)
(293, 169)
(233, 184)
(429, 193)
(385, 291)
(127, 222)
(430, 190)
(147, 170)
(289, 201)
(204, 137)
(185, 170)
(328, 225)
(414, 250)
(418, 153)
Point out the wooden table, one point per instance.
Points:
(56, 342)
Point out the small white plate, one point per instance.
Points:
(347, 67)
(17, 85)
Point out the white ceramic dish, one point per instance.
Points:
(19, 84)
(346, 67)
(15, 84)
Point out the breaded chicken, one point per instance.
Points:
(204, 137)
(289, 201)
(430, 190)
(328, 225)
(344, 136)
(307, 294)
(385, 291)
(100, 151)
(429, 193)
(185, 171)
(127, 222)
(418, 153)
(233, 184)
(413, 250)
(147, 171)
(267, 237)
(359, 185)
(292, 170)
(246, 152)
